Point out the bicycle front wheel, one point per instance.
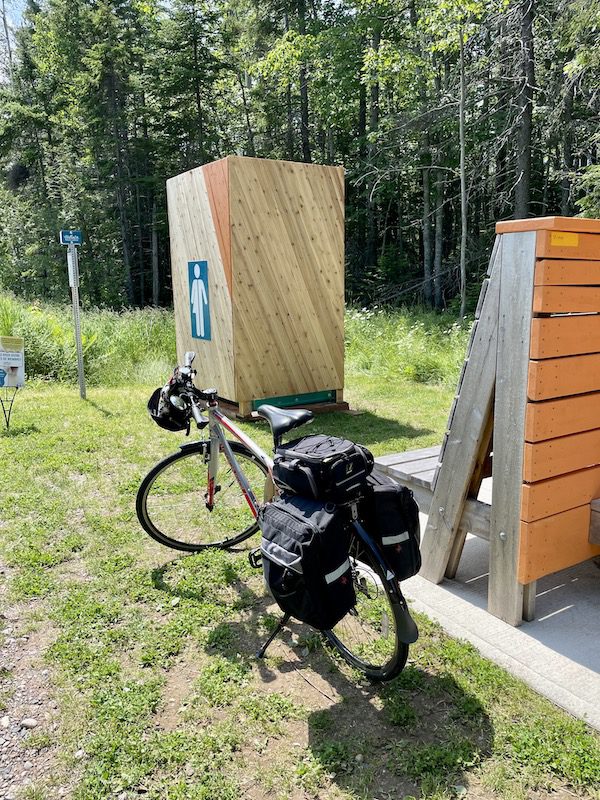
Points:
(171, 502)
(367, 637)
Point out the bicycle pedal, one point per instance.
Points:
(255, 558)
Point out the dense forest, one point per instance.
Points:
(446, 115)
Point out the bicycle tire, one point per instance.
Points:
(350, 636)
(174, 525)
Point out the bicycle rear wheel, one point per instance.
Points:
(171, 504)
(367, 637)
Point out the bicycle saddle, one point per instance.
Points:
(283, 420)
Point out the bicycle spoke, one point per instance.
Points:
(174, 504)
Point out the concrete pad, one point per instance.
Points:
(557, 654)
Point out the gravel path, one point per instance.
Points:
(27, 709)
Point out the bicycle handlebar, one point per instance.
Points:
(183, 378)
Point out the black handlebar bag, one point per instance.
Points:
(305, 547)
(323, 468)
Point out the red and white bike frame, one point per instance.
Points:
(218, 443)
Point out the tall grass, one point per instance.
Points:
(139, 346)
(119, 348)
(421, 346)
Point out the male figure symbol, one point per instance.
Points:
(199, 307)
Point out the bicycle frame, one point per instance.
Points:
(216, 422)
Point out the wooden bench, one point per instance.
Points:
(529, 389)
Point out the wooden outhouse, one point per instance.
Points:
(257, 257)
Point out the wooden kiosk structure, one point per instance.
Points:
(526, 414)
(257, 255)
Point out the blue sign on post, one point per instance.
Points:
(71, 237)
(199, 304)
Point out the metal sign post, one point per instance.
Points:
(72, 239)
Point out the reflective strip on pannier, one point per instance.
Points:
(401, 537)
(337, 573)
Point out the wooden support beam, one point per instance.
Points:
(467, 429)
(505, 593)
(481, 464)
(529, 601)
(595, 522)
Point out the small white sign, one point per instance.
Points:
(12, 362)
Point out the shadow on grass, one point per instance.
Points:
(418, 735)
(102, 410)
(19, 430)
(366, 428)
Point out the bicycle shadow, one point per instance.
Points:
(420, 733)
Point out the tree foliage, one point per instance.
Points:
(102, 100)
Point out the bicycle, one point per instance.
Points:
(181, 505)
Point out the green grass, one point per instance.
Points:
(132, 625)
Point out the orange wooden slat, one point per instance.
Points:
(560, 271)
(545, 498)
(558, 456)
(216, 176)
(565, 336)
(560, 377)
(568, 244)
(555, 543)
(552, 418)
(566, 299)
(549, 223)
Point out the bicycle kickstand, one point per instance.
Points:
(282, 623)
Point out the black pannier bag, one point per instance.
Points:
(322, 467)
(390, 515)
(305, 559)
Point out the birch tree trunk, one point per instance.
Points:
(463, 180)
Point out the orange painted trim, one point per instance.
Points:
(543, 460)
(548, 223)
(567, 244)
(545, 498)
(555, 543)
(216, 177)
(562, 377)
(562, 417)
(552, 337)
(566, 299)
(560, 272)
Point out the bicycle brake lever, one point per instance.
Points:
(200, 419)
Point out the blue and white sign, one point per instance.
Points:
(71, 237)
(199, 302)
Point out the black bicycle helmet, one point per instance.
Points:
(165, 414)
